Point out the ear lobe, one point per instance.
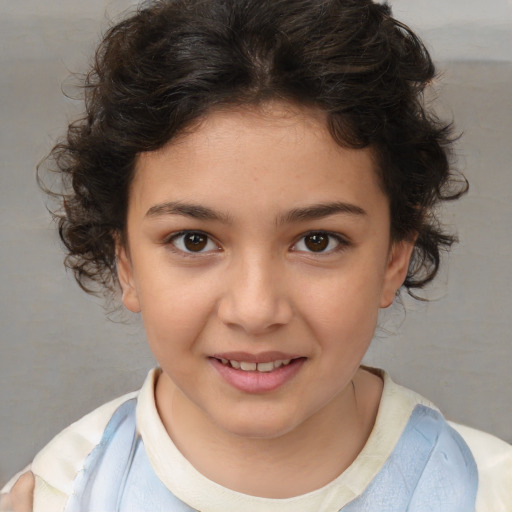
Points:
(125, 275)
(396, 271)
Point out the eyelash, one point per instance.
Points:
(341, 243)
(171, 243)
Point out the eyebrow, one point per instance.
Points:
(320, 211)
(193, 211)
(311, 212)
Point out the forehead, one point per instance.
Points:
(271, 154)
(237, 126)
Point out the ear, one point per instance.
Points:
(396, 270)
(126, 279)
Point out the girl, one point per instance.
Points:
(259, 179)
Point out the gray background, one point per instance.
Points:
(60, 356)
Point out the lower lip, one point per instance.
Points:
(258, 382)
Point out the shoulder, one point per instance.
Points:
(57, 464)
(465, 454)
(410, 454)
(449, 475)
(494, 462)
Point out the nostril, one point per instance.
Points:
(254, 315)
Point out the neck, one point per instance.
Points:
(277, 467)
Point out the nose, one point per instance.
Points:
(255, 298)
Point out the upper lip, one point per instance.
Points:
(262, 357)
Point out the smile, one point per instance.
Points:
(255, 367)
(257, 373)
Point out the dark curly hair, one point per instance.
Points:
(173, 61)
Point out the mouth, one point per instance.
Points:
(248, 366)
(257, 373)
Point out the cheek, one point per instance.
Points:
(344, 310)
(174, 312)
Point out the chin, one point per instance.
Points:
(260, 426)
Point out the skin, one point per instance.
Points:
(256, 287)
(21, 496)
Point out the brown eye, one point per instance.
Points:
(316, 242)
(321, 242)
(195, 242)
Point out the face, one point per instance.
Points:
(258, 253)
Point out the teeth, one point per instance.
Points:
(252, 367)
(266, 367)
(248, 367)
